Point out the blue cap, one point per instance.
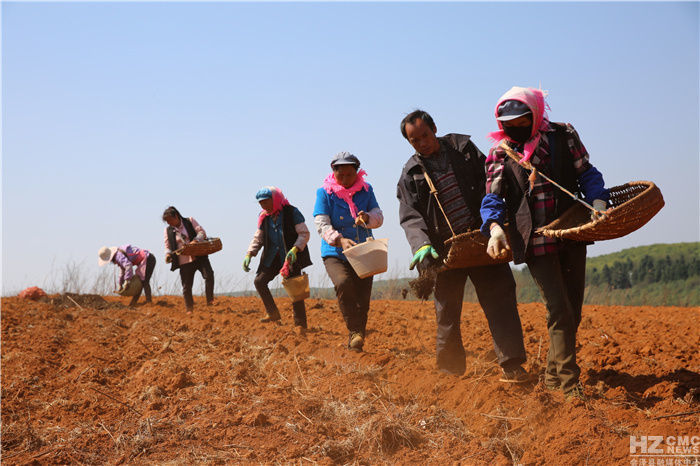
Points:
(345, 158)
(264, 193)
(512, 109)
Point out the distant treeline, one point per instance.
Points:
(623, 275)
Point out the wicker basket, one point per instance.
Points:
(469, 250)
(202, 248)
(633, 204)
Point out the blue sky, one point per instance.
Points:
(113, 111)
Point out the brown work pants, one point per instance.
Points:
(353, 293)
(561, 280)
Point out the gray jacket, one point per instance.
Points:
(419, 213)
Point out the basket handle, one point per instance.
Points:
(528, 166)
(357, 232)
(433, 191)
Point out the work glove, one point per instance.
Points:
(421, 254)
(246, 263)
(291, 256)
(498, 243)
(600, 206)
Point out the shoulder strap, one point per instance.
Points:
(433, 191)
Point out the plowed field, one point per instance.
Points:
(87, 380)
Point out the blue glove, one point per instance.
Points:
(421, 254)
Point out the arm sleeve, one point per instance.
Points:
(303, 235)
(255, 244)
(376, 218)
(411, 220)
(302, 231)
(125, 265)
(495, 163)
(593, 186)
(166, 242)
(493, 209)
(201, 234)
(326, 230)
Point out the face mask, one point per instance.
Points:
(519, 134)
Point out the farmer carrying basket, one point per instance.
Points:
(524, 191)
(282, 235)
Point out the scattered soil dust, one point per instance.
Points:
(154, 385)
(424, 285)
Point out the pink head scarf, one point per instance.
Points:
(534, 99)
(331, 185)
(278, 201)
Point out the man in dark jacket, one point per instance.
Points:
(456, 167)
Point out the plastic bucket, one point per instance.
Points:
(132, 288)
(368, 258)
(297, 287)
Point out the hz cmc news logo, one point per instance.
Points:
(657, 450)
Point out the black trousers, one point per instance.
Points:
(187, 272)
(264, 276)
(353, 293)
(150, 266)
(495, 289)
(561, 280)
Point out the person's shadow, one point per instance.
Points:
(686, 381)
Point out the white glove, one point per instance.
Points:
(600, 206)
(498, 243)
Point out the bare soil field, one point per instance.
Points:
(87, 380)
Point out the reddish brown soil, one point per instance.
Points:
(102, 383)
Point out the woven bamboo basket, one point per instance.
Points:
(469, 250)
(203, 248)
(632, 205)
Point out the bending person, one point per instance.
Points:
(127, 257)
(557, 266)
(181, 231)
(282, 235)
(345, 212)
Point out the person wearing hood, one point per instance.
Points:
(456, 166)
(345, 212)
(528, 202)
(180, 231)
(283, 236)
(127, 257)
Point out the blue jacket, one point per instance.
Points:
(339, 213)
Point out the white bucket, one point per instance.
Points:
(368, 258)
